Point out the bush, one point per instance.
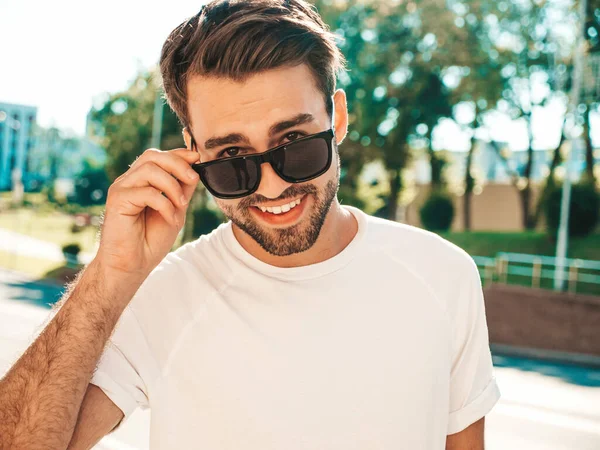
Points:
(76, 229)
(205, 220)
(71, 249)
(91, 187)
(583, 213)
(437, 212)
(71, 253)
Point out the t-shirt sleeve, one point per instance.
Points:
(126, 369)
(473, 387)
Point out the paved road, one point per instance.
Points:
(543, 407)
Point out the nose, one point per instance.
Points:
(271, 185)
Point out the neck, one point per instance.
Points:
(339, 228)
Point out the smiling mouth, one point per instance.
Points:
(280, 209)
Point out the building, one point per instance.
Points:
(61, 158)
(17, 138)
(490, 168)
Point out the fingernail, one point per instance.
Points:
(193, 175)
(183, 200)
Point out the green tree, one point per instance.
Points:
(91, 185)
(125, 121)
(528, 27)
(396, 53)
(475, 77)
(592, 36)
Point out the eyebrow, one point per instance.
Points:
(236, 138)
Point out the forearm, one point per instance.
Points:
(471, 438)
(41, 394)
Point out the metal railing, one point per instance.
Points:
(507, 268)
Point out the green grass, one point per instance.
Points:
(35, 267)
(480, 243)
(48, 226)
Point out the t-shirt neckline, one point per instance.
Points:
(303, 272)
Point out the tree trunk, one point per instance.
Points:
(435, 163)
(395, 186)
(469, 184)
(469, 180)
(556, 158)
(528, 220)
(589, 149)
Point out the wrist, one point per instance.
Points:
(115, 286)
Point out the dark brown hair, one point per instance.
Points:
(238, 38)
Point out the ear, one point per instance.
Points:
(341, 115)
(187, 137)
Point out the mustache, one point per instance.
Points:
(290, 193)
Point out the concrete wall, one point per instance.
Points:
(497, 208)
(541, 319)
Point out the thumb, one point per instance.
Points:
(189, 189)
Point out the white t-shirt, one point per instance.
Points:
(384, 346)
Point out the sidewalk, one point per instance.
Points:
(22, 317)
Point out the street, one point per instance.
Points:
(543, 406)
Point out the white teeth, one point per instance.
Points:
(280, 209)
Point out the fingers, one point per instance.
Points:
(177, 162)
(151, 174)
(154, 167)
(140, 197)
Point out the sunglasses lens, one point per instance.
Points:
(231, 178)
(303, 160)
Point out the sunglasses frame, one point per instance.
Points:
(267, 157)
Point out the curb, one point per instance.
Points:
(579, 359)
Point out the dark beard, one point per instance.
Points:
(294, 239)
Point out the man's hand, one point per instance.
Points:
(140, 224)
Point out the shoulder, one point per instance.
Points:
(417, 247)
(447, 271)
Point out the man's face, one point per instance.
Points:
(246, 115)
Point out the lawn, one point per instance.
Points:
(34, 267)
(488, 243)
(50, 226)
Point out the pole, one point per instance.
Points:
(157, 121)
(563, 228)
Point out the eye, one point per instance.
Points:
(231, 152)
(292, 136)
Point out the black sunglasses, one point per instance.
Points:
(295, 162)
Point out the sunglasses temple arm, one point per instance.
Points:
(333, 114)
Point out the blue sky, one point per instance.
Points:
(63, 55)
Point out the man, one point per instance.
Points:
(300, 323)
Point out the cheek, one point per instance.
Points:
(227, 206)
(333, 169)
